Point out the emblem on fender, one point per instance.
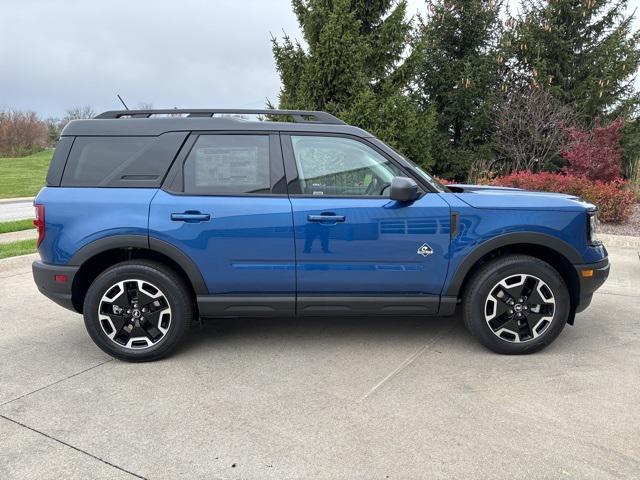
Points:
(425, 250)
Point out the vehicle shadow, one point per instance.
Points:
(322, 329)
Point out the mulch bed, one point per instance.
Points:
(632, 227)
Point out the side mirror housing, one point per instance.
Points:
(404, 189)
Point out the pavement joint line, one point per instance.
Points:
(106, 462)
(55, 383)
(408, 361)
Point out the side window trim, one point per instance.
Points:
(174, 181)
(291, 168)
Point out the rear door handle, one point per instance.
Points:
(326, 218)
(190, 216)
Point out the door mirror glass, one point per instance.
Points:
(404, 189)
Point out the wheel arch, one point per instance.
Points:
(100, 254)
(559, 254)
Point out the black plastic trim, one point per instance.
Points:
(59, 161)
(246, 305)
(321, 305)
(530, 238)
(44, 278)
(588, 285)
(148, 243)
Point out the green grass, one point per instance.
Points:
(24, 176)
(13, 249)
(16, 226)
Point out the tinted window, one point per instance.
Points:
(121, 161)
(95, 161)
(341, 166)
(227, 165)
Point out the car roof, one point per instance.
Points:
(158, 126)
(157, 122)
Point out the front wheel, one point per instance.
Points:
(138, 310)
(516, 304)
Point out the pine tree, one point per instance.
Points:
(355, 65)
(460, 77)
(584, 51)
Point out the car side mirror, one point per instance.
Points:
(404, 189)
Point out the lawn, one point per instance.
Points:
(24, 176)
(16, 226)
(21, 247)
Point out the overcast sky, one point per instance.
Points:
(55, 54)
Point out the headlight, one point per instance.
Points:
(592, 229)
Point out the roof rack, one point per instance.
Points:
(298, 116)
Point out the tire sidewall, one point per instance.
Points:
(170, 286)
(488, 277)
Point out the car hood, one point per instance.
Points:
(486, 196)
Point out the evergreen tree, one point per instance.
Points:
(460, 76)
(584, 51)
(355, 65)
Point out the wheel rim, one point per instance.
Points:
(519, 308)
(134, 314)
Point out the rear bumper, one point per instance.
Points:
(592, 282)
(45, 274)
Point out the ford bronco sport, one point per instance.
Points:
(153, 219)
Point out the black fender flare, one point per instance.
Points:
(144, 242)
(530, 238)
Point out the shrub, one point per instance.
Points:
(596, 153)
(614, 199)
(21, 133)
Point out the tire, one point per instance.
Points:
(118, 300)
(539, 312)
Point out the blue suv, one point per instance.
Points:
(154, 219)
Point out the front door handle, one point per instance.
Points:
(326, 218)
(190, 216)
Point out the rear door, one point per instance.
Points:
(225, 206)
(358, 251)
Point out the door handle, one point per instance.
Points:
(190, 216)
(326, 218)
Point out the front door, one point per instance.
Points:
(357, 251)
(228, 211)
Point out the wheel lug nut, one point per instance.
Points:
(510, 311)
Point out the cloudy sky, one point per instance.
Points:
(55, 54)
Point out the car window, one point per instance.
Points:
(95, 161)
(228, 165)
(341, 166)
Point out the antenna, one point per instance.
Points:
(122, 101)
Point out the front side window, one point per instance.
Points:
(338, 166)
(228, 165)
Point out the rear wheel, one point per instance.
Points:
(138, 310)
(516, 304)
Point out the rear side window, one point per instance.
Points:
(120, 161)
(228, 165)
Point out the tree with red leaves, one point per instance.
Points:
(594, 154)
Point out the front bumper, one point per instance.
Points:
(59, 291)
(591, 277)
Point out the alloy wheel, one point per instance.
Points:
(134, 314)
(519, 308)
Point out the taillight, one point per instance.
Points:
(39, 223)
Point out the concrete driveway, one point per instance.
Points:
(332, 398)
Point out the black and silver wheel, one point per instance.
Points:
(516, 304)
(138, 310)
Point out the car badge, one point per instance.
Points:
(425, 250)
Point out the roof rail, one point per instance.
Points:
(298, 116)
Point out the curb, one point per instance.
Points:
(624, 241)
(13, 263)
(16, 200)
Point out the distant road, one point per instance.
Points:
(16, 210)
